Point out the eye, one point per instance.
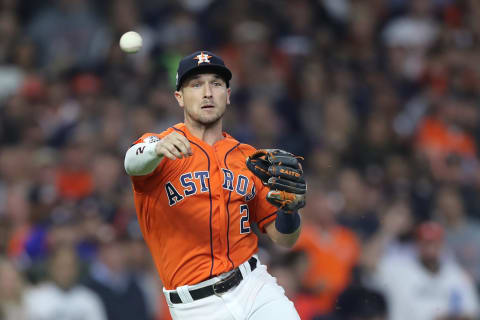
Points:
(217, 83)
(195, 84)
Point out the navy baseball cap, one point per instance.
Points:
(201, 62)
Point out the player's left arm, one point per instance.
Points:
(282, 173)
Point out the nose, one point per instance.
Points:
(207, 93)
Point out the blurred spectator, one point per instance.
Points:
(360, 303)
(141, 264)
(290, 270)
(74, 180)
(105, 195)
(449, 148)
(9, 28)
(17, 210)
(59, 115)
(112, 132)
(62, 297)
(12, 287)
(110, 277)
(354, 205)
(393, 238)
(338, 123)
(370, 150)
(462, 233)
(70, 26)
(426, 285)
(409, 37)
(264, 133)
(11, 75)
(332, 251)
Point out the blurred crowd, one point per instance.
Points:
(379, 96)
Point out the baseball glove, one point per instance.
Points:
(282, 173)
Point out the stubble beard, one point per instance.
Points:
(206, 120)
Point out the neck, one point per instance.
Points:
(208, 133)
(433, 266)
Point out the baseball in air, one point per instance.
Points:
(131, 42)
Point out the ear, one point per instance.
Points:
(179, 97)
(228, 95)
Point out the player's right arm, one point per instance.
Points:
(143, 157)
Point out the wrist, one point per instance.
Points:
(141, 159)
(287, 223)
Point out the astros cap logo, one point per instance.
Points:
(202, 57)
(201, 61)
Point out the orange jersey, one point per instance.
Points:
(332, 256)
(196, 213)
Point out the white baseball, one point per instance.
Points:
(131, 42)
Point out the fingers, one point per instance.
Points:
(183, 145)
(162, 150)
(174, 146)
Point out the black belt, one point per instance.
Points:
(219, 287)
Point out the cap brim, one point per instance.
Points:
(219, 69)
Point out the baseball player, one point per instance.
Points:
(197, 193)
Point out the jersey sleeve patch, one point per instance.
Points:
(151, 139)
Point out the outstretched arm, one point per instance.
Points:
(142, 158)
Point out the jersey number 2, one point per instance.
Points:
(244, 219)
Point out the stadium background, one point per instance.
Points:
(379, 96)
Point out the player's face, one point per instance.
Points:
(204, 98)
(430, 250)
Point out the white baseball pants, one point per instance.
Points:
(257, 297)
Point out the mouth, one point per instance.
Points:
(208, 106)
